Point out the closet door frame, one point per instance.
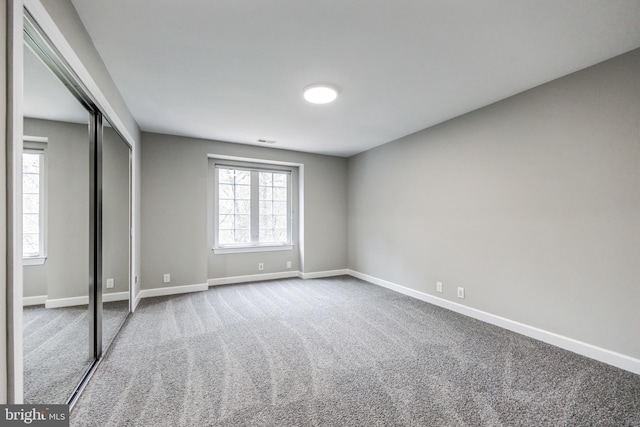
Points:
(23, 28)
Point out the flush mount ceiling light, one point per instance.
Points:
(320, 93)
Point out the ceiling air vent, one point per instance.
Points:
(267, 141)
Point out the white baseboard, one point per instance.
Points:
(252, 278)
(37, 300)
(172, 290)
(115, 296)
(66, 302)
(84, 300)
(321, 274)
(609, 357)
(275, 276)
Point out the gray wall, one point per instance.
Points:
(532, 204)
(175, 185)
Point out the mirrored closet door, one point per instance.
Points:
(56, 219)
(76, 215)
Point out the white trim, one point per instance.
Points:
(320, 274)
(604, 355)
(275, 276)
(249, 249)
(252, 278)
(38, 139)
(34, 260)
(11, 374)
(115, 296)
(37, 300)
(252, 160)
(66, 302)
(172, 290)
(136, 302)
(73, 301)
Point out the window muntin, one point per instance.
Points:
(253, 207)
(33, 203)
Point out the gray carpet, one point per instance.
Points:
(56, 348)
(340, 352)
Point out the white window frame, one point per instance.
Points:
(38, 145)
(254, 246)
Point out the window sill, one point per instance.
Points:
(36, 260)
(247, 249)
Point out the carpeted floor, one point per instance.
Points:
(56, 348)
(340, 352)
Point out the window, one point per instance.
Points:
(33, 203)
(253, 208)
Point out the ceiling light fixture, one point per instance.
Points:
(320, 93)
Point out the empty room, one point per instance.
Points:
(321, 213)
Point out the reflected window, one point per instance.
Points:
(33, 201)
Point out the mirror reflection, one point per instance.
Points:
(116, 208)
(56, 219)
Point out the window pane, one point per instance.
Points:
(243, 177)
(226, 176)
(226, 191)
(280, 221)
(225, 207)
(30, 244)
(225, 237)
(225, 222)
(266, 193)
(243, 207)
(266, 208)
(31, 203)
(31, 223)
(243, 222)
(280, 208)
(280, 179)
(30, 163)
(280, 235)
(265, 178)
(243, 192)
(279, 193)
(266, 221)
(266, 236)
(31, 209)
(30, 183)
(243, 236)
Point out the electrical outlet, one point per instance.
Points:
(439, 286)
(110, 283)
(288, 264)
(167, 278)
(460, 292)
(261, 266)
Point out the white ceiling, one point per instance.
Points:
(234, 70)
